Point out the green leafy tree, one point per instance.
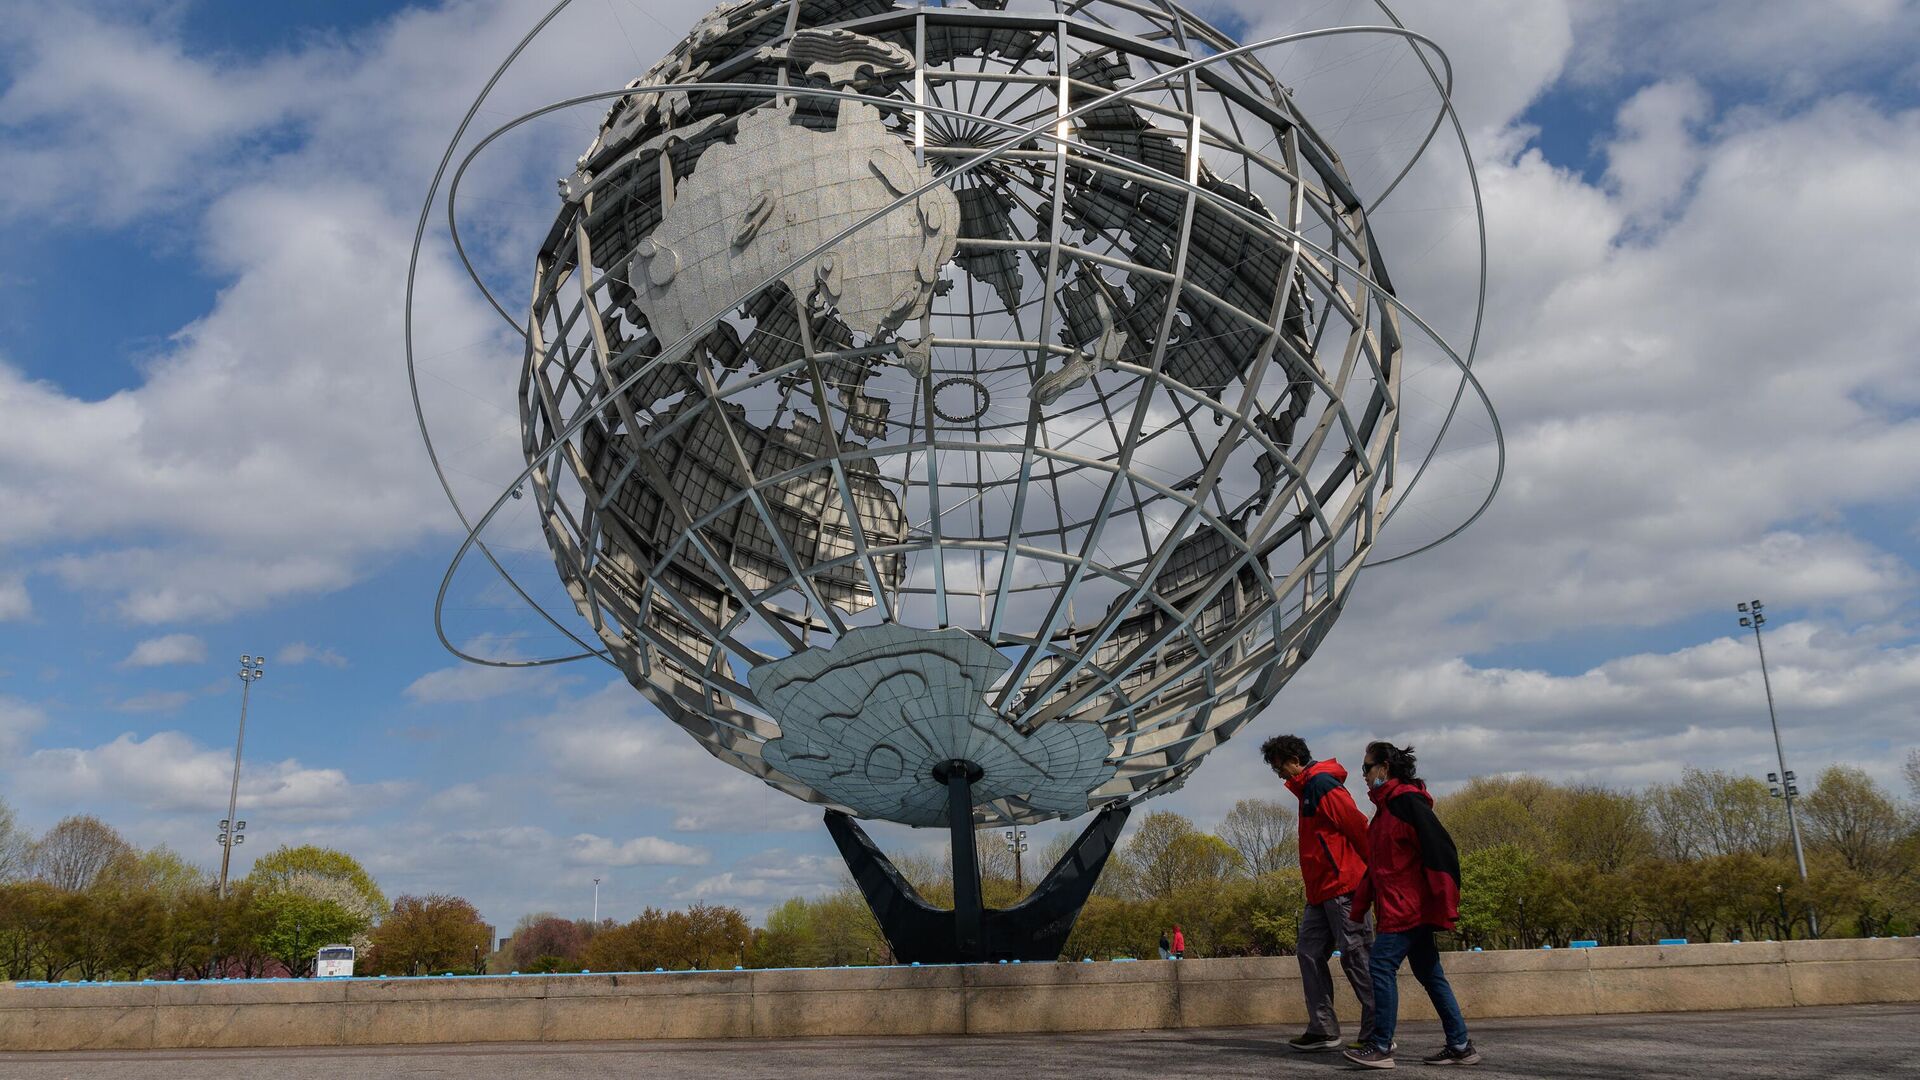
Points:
(1603, 829)
(30, 914)
(1851, 815)
(788, 939)
(307, 867)
(1489, 811)
(291, 926)
(1492, 888)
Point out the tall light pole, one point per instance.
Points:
(251, 668)
(596, 901)
(1783, 785)
(1017, 843)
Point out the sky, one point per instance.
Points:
(1703, 236)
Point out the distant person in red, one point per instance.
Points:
(1179, 943)
(1413, 879)
(1333, 836)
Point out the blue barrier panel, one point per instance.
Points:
(1673, 941)
(1583, 944)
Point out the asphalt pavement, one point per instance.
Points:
(1850, 1041)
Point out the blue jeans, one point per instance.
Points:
(1416, 946)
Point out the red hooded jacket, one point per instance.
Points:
(1333, 832)
(1413, 870)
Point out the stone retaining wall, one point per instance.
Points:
(991, 999)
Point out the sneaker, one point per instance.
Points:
(1466, 1055)
(1362, 1044)
(1313, 1042)
(1371, 1058)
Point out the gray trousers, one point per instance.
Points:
(1323, 928)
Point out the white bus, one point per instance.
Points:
(333, 962)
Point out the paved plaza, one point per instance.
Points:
(1879, 1040)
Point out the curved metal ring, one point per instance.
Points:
(981, 399)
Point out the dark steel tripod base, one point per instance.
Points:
(1034, 929)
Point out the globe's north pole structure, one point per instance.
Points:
(961, 415)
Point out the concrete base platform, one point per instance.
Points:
(1762, 1044)
(996, 999)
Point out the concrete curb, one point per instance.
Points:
(993, 999)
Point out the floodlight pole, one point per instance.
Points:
(1751, 616)
(596, 901)
(251, 668)
(1017, 843)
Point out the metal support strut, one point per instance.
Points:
(968, 908)
(1036, 928)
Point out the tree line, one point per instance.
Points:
(1706, 858)
(81, 902)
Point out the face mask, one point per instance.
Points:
(1375, 783)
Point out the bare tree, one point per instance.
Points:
(1262, 832)
(74, 852)
(1715, 813)
(15, 844)
(1913, 773)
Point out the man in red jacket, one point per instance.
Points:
(1413, 882)
(1333, 834)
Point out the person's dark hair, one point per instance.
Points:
(1399, 759)
(1284, 748)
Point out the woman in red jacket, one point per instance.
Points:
(1413, 882)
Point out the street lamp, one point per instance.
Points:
(251, 668)
(1017, 843)
(1782, 784)
(596, 902)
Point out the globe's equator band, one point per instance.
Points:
(695, 475)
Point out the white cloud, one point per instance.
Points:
(586, 849)
(154, 701)
(170, 649)
(463, 682)
(1792, 48)
(300, 652)
(117, 97)
(612, 742)
(268, 451)
(456, 800)
(18, 720)
(1657, 154)
(15, 601)
(169, 771)
(763, 880)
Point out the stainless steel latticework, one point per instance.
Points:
(1043, 322)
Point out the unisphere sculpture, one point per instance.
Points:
(962, 415)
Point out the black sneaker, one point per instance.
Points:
(1466, 1055)
(1312, 1042)
(1362, 1044)
(1371, 1058)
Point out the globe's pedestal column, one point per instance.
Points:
(959, 775)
